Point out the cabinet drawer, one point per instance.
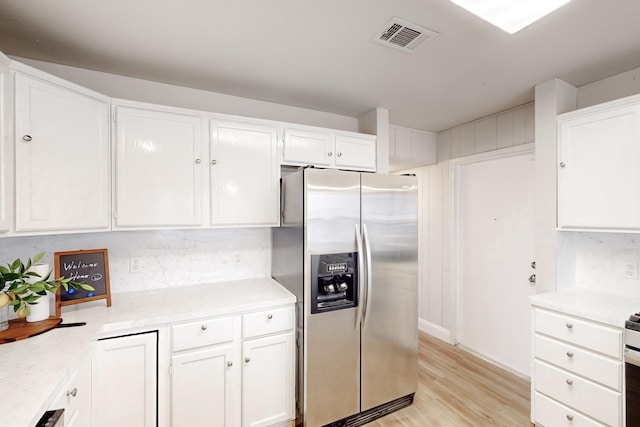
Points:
(583, 395)
(596, 337)
(549, 413)
(202, 333)
(600, 369)
(267, 322)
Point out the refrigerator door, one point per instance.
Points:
(331, 339)
(390, 325)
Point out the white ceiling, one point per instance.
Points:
(319, 54)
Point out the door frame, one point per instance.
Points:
(455, 166)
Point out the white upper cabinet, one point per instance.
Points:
(62, 152)
(599, 167)
(328, 149)
(410, 148)
(305, 147)
(244, 174)
(4, 146)
(159, 168)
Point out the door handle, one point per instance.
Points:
(367, 261)
(360, 276)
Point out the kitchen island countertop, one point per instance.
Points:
(35, 369)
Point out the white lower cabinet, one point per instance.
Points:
(75, 397)
(577, 375)
(125, 381)
(234, 371)
(267, 380)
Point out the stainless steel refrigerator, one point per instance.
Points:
(348, 249)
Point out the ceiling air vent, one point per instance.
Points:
(403, 35)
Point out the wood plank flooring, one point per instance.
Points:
(456, 388)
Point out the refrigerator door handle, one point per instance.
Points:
(360, 276)
(369, 275)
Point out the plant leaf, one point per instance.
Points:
(38, 257)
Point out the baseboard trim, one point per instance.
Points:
(434, 330)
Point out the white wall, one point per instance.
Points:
(614, 87)
(160, 93)
(168, 258)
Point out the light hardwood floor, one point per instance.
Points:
(456, 388)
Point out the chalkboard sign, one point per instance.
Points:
(86, 266)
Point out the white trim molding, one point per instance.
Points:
(434, 330)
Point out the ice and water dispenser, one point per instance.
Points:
(334, 282)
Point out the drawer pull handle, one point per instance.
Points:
(569, 354)
(26, 138)
(569, 325)
(570, 382)
(269, 316)
(203, 327)
(570, 417)
(247, 359)
(72, 392)
(229, 363)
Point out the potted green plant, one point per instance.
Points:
(20, 287)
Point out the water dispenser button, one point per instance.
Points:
(342, 286)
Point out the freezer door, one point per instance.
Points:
(390, 326)
(331, 339)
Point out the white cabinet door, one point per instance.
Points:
(599, 169)
(303, 147)
(4, 149)
(244, 174)
(62, 153)
(268, 380)
(75, 397)
(205, 388)
(159, 168)
(125, 388)
(355, 153)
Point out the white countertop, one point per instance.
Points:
(607, 308)
(35, 369)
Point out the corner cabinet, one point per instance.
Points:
(125, 381)
(599, 167)
(577, 372)
(62, 149)
(302, 146)
(244, 174)
(234, 371)
(159, 168)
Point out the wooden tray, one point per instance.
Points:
(20, 329)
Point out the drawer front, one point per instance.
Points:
(202, 333)
(549, 413)
(600, 338)
(267, 322)
(583, 395)
(596, 367)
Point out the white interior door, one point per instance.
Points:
(496, 231)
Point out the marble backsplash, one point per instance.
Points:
(167, 258)
(597, 261)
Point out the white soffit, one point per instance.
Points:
(403, 35)
(511, 15)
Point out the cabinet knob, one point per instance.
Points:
(203, 327)
(569, 325)
(569, 354)
(532, 278)
(247, 359)
(72, 392)
(213, 162)
(339, 154)
(269, 316)
(229, 363)
(569, 381)
(26, 138)
(329, 154)
(562, 164)
(198, 161)
(570, 417)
